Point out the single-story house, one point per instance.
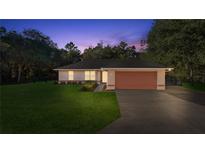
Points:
(116, 73)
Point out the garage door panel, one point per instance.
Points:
(136, 80)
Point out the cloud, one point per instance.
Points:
(132, 38)
(129, 37)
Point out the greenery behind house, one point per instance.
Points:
(179, 44)
(31, 55)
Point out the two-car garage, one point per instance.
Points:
(135, 80)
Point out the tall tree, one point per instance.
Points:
(27, 56)
(36, 35)
(125, 51)
(73, 53)
(180, 44)
(17, 53)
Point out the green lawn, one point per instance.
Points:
(194, 86)
(49, 108)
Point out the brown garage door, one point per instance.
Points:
(136, 80)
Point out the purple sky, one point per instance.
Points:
(85, 33)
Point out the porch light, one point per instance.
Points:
(170, 69)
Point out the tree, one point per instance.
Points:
(73, 53)
(27, 56)
(3, 55)
(89, 54)
(125, 51)
(36, 35)
(16, 53)
(179, 44)
(122, 50)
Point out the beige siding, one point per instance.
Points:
(161, 80)
(111, 80)
(98, 76)
(63, 75)
(79, 75)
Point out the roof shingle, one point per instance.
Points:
(112, 63)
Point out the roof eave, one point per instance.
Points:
(58, 69)
(139, 68)
(167, 69)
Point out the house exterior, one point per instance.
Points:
(116, 73)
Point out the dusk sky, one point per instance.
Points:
(85, 33)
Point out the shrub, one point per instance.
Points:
(88, 86)
(194, 86)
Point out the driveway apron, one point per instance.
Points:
(156, 112)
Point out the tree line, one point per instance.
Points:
(31, 55)
(179, 44)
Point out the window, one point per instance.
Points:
(104, 76)
(92, 75)
(89, 75)
(70, 75)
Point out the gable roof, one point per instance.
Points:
(112, 63)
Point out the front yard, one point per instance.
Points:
(49, 108)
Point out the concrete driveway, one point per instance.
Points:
(147, 111)
(186, 94)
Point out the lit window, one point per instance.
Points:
(89, 75)
(70, 75)
(104, 76)
(92, 75)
